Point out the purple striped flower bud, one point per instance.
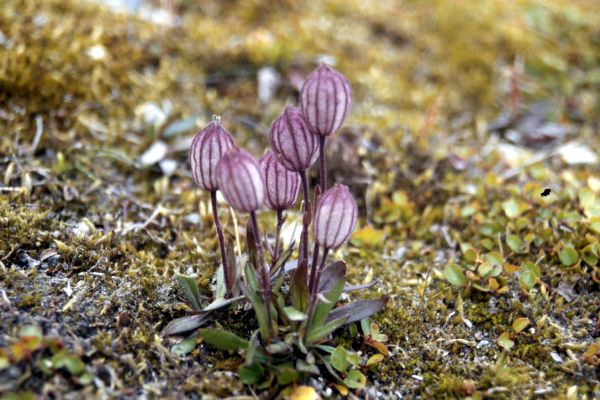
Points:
(240, 181)
(208, 146)
(335, 217)
(325, 100)
(293, 141)
(281, 184)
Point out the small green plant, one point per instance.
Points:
(296, 307)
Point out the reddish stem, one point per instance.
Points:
(314, 266)
(280, 220)
(306, 220)
(228, 283)
(322, 163)
(264, 270)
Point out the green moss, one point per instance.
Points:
(22, 227)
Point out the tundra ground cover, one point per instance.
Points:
(464, 114)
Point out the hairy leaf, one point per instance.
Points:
(222, 339)
(283, 257)
(322, 331)
(186, 324)
(220, 289)
(221, 303)
(251, 349)
(294, 315)
(299, 288)
(358, 310)
(259, 309)
(331, 296)
(190, 289)
(184, 347)
(251, 278)
(352, 288)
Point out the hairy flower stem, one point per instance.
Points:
(322, 164)
(228, 283)
(280, 220)
(306, 219)
(313, 269)
(264, 271)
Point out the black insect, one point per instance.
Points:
(546, 192)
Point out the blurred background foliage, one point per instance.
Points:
(464, 112)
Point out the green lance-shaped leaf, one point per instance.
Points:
(220, 289)
(325, 348)
(328, 298)
(358, 310)
(254, 353)
(365, 326)
(185, 346)
(259, 308)
(189, 287)
(299, 288)
(222, 339)
(186, 324)
(251, 278)
(192, 322)
(221, 303)
(321, 331)
(283, 257)
(251, 349)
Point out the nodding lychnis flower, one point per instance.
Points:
(281, 184)
(240, 181)
(293, 141)
(325, 99)
(208, 146)
(335, 217)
